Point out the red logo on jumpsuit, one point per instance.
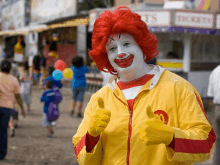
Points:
(163, 116)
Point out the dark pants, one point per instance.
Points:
(5, 114)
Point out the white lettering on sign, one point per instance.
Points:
(202, 20)
(218, 21)
(155, 18)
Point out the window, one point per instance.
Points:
(164, 45)
(205, 48)
(132, 1)
(141, 0)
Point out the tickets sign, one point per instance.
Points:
(155, 18)
(194, 19)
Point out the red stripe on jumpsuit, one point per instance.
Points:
(80, 145)
(194, 146)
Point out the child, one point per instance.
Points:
(56, 83)
(47, 97)
(78, 84)
(26, 87)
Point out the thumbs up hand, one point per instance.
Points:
(99, 120)
(153, 131)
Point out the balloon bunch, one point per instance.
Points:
(61, 71)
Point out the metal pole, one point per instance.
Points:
(187, 52)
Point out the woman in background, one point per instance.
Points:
(9, 89)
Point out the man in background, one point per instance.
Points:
(214, 91)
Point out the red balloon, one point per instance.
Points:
(60, 64)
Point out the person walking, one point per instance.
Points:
(47, 97)
(214, 91)
(56, 83)
(26, 87)
(146, 115)
(15, 113)
(9, 89)
(78, 84)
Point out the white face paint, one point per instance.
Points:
(124, 53)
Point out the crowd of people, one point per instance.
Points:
(16, 89)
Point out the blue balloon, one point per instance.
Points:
(57, 74)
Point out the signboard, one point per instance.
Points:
(48, 10)
(13, 15)
(218, 21)
(151, 18)
(194, 19)
(155, 18)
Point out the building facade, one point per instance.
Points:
(212, 5)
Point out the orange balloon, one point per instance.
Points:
(60, 65)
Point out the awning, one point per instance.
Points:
(24, 30)
(175, 29)
(70, 23)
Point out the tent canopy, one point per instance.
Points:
(25, 30)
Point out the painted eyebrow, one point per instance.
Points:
(111, 38)
(119, 36)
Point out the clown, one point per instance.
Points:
(145, 114)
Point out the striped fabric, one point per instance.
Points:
(131, 89)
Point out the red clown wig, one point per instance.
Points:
(121, 20)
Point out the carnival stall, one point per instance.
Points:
(186, 41)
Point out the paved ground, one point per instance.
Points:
(31, 147)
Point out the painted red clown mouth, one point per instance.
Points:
(124, 63)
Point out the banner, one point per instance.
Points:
(13, 15)
(47, 10)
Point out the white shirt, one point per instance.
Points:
(214, 85)
(131, 93)
(26, 85)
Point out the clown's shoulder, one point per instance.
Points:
(179, 84)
